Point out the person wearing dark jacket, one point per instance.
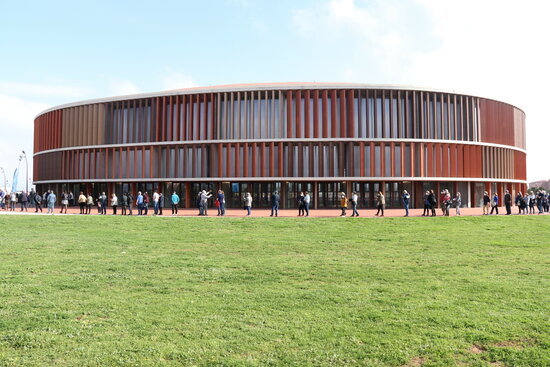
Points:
(103, 201)
(432, 201)
(519, 202)
(37, 203)
(124, 203)
(508, 202)
(161, 203)
(23, 198)
(494, 203)
(301, 208)
(275, 200)
(486, 203)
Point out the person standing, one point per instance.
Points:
(518, 201)
(23, 199)
(405, 198)
(8, 201)
(139, 203)
(204, 201)
(45, 197)
(221, 203)
(30, 198)
(51, 202)
(494, 204)
(380, 203)
(524, 204)
(145, 203)
(486, 203)
(82, 202)
(64, 201)
(343, 203)
(114, 202)
(446, 202)
(275, 200)
(37, 203)
(70, 198)
(539, 201)
(89, 203)
(124, 203)
(175, 201)
(103, 201)
(508, 202)
(248, 204)
(457, 200)
(307, 200)
(300, 203)
(155, 203)
(130, 202)
(161, 203)
(531, 202)
(433, 202)
(354, 199)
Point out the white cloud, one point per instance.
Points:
(176, 80)
(123, 88)
(17, 127)
(497, 49)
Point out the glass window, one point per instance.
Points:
(387, 158)
(147, 161)
(276, 119)
(356, 122)
(329, 115)
(316, 161)
(367, 160)
(364, 117)
(396, 126)
(276, 160)
(377, 172)
(398, 160)
(378, 117)
(224, 161)
(439, 128)
(356, 161)
(305, 173)
(326, 165)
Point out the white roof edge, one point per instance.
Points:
(263, 86)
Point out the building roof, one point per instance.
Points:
(247, 87)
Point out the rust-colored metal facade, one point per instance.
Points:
(323, 138)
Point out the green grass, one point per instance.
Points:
(121, 291)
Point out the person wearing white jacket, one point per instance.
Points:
(248, 203)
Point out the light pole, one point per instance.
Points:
(21, 156)
(5, 182)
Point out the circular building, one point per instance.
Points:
(318, 137)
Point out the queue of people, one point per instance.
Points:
(528, 203)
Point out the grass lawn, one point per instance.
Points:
(135, 291)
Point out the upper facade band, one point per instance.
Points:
(289, 111)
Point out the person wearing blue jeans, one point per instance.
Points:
(494, 204)
(221, 203)
(354, 199)
(307, 199)
(175, 201)
(139, 203)
(275, 200)
(248, 204)
(406, 200)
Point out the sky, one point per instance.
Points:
(57, 52)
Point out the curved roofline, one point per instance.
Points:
(247, 87)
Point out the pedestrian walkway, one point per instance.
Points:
(283, 213)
